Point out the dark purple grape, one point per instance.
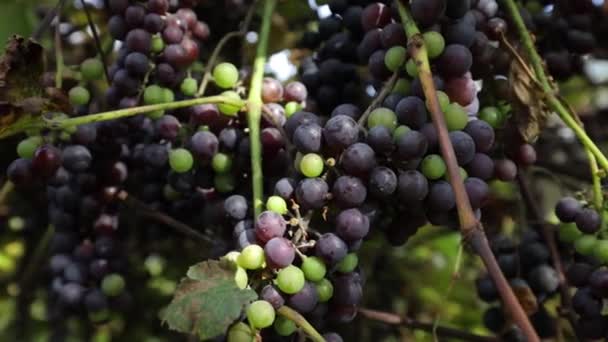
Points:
(459, 32)
(273, 296)
(118, 6)
(307, 138)
(331, 248)
(578, 274)
(464, 147)
(138, 40)
(413, 186)
(393, 34)
(173, 34)
(95, 301)
(478, 191)
(486, 290)
(175, 55)
(153, 23)
(455, 61)
(340, 131)
(380, 139)
(441, 197)
(280, 252)
(482, 133)
(567, 208)
(134, 16)
(411, 145)
(585, 303)
(588, 220)
(505, 170)
(427, 12)
(358, 159)
(137, 64)
(482, 166)
(332, 337)
(349, 191)
(117, 27)
(382, 182)
(377, 66)
(543, 279)
(72, 294)
(411, 111)
(295, 91)
(297, 120)
(269, 225)
(155, 155)
(204, 145)
(352, 225)
(371, 42)
(598, 282)
(20, 172)
(311, 193)
(285, 187)
(347, 290)
(305, 300)
(246, 238)
(494, 319)
(375, 15)
(168, 127)
(236, 207)
(457, 8)
(46, 161)
(76, 158)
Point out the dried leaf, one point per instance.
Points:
(530, 113)
(207, 301)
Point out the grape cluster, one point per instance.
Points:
(567, 32)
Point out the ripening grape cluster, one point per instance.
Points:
(567, 32)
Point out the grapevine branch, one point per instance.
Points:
(550, 98)
(394, 319)
(254, 114)
(470, 227)
(301, 322)
(162, 218)
(549, 237)
(59, 124)
(220, 45)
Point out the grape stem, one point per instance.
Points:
(220, 45)
(394, 319)
(470, 228)
(550, 98)
(254, 107)
(301, 322)
(548, 235)
(388, 87)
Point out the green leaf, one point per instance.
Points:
(207, 301)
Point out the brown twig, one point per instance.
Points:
(547, 232)
(470, 228)
(102, 53)
(161, 217)
(394, 319)
(220, 45)
(386, 89)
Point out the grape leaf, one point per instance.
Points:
(207, 301)
(22, 94)
(531, 113)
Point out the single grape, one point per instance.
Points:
(588, 220)
(325, 290)
(279, 252)
(251, 257)
(311, 165)
(314, 268)
(241, 278)
(456, 118)
(269, 225)
(395, 57)
(585, 244)
(290, 279)
(79, 96)
(348, 264)
(434, 43)
(382, 117)
(225, 75)
(260, 314)
(492, 116)
(27, 147)
(240, 332)
(331, 248)
(181, 160)
(189, 86)
(229, 109)
(433, 167)
(113, 285)
(567, 208)
(91, 69)
(221, 163)
(284, 326)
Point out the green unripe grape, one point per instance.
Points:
(411, 68)
(585, 244)
(260, 314)
(382, 117)
(16, 223)
(155, 264)
(155, 115)
(402, 86)
(221, 163)
(181, 160)
(91, 69)
(225, 75)
(27, 147)
(292, 107)
(153, 94)
(251, 257)
(79, 96)
(314, 268)
(400, 131)
(434, 43)
(232, 256)
(456, 118)
(240, 332)
(601, 251)
(290, 279)
(492, 116)
(241, 278)
(276, 204)
(228, 109)
(568, 232)
(284, 326)
(433, 167)
(158, 45)
(395, 57)
(224, 182)
(189, 86)
(325, 290)
(112, 285)
(311, 165)
(444, 101)
(168, 95)
(348, 264)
